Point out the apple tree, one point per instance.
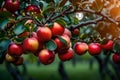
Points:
(50, 28)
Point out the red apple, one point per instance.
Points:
(67, 32)
(33, 8)
(94, 48)
(61, 46)
(66, 56)
(46, 56)
(12, 5)
(108, 45)
(57, 29)
(19, 61)
(15, 49)
(44, 34)
(31, 44)
(80, 48)
(76, 31)
(116, 58)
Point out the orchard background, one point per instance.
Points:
(60, 39)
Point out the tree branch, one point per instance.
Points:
(87, 23)
(100, 14)
(38, 23)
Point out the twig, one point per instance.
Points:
(67, 11)
(100, 14)
(87, 23)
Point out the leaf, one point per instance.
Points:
(51, 45)
(19, 28)
(75, 20)
(4, 44)
(3, 23)
(43, 4)
(61, 21)
(3, 48)
(83, 36)
(4, 15)
(62, 40)
(48, 9)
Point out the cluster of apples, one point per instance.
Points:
(93, 48)
(13, 5)
(36, 45)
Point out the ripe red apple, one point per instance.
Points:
(18, 61)
(76, 31)
(108, 45)
(9, 58)
(62, 47)
(46, 56)
(57, 29)
(15, 49)
(31, 44)
(44, 34)
(80, 48)
(12, 5)
(66, 56)
(67, 32)
(116, 58)
(94, 48)
(33, 8)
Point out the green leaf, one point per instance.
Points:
(4, 44)
(19, 28)
(62, 40)
(50, 45)
(3, 23)
(76, 21)
(61, 22)
(3, 48)
(48, 9)
(4, 15)
(43, 4)
(83, 36)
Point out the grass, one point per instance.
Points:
(50, 72)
